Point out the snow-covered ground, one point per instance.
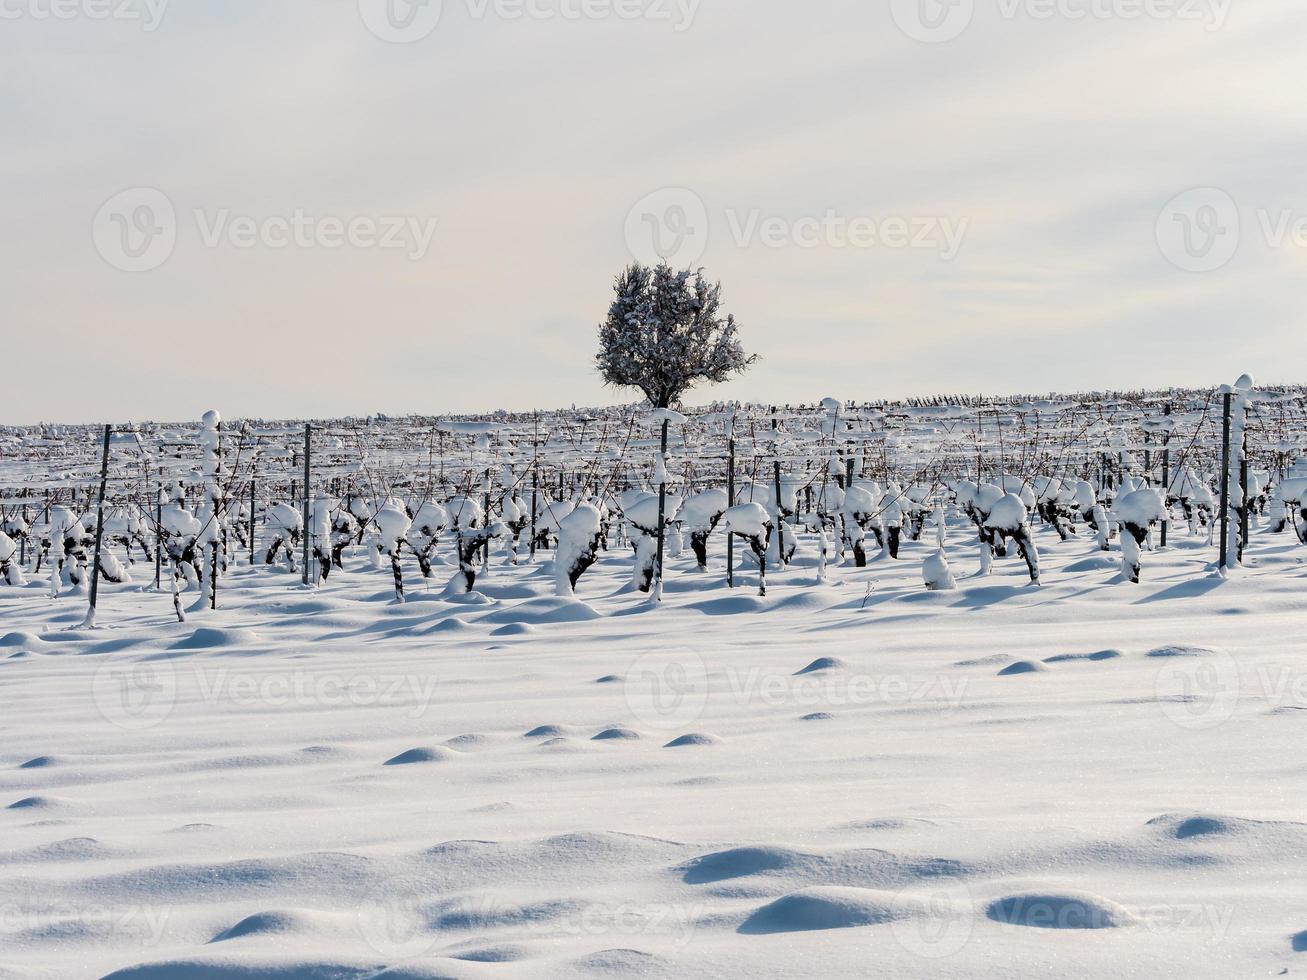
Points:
(508, 784)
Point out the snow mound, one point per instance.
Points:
(420, 755)
(71, 849)
(823, 907)
(822, 663)
(276, 923)
(19, 639)
(451, 625)
(507, 953)
(818, 716)
(616, 735)
(740, 862)
(1022, 667)
(547, 731)
(1185, 826)
(281, 968)
(693, 738)
(545, 609)
(609, 679)
(1097, 656)
(1182, 651)
(40, 762)
(620, 962)
(468, 598)
(729, 605)
(466, 741)
(514, 629)
(36, 803)
(211, 638)
(1059, 910)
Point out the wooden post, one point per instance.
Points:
(730, 502)
(1225, 480)
(485, 547)
(1243, 507)
(780, 538)
(99, 526)
(662, 509)
(308, 434)
(213, 577)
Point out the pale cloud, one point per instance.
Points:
(1057, 141)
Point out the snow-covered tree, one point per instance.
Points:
(665, 333)
(578, 547)
(11, 572)
(1137, 511)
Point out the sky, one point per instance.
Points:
(316, 208)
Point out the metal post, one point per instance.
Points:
(1166, 478)
(251, 517)
(730, 502)
(1225, 481)
(99, 526)
(308, 433)
(158, 537)
(535, 491)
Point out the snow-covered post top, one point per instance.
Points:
(832, 407)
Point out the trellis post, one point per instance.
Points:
(99, 527)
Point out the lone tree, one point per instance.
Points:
(664, 334)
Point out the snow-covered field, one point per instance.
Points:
(1088, 778)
